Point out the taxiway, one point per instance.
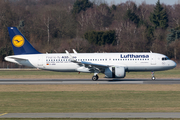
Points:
(88, 81)
(90, 115)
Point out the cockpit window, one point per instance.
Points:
(165, 58)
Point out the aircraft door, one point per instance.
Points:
(153, 59)
(40, 61)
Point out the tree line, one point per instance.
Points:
(92, 26)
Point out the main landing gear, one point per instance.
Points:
(95, 77)
(153, 77)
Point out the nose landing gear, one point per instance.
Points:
(153, 77)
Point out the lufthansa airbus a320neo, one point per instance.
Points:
(113, 65)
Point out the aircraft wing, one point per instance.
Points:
(89, 64)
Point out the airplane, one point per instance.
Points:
(113, 65)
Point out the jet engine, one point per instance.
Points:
(115, 72)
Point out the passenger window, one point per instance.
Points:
(165, 58)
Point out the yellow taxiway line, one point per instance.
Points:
(3, 114)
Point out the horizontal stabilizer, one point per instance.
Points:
(15, 58)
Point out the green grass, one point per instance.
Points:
(41, 74)
(174, 73)
(90, 101)
(32, 72)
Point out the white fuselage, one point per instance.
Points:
(62, 63)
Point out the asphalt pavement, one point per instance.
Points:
(88, 81)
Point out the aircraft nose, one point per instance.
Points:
(173, 64)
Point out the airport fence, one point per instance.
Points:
(8, 65)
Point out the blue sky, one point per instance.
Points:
(167, 2)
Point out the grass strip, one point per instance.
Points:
(40, 74)
(89, 101)
(89, 87)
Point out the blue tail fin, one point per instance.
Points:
(20, 43)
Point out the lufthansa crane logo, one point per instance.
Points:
(18, 41)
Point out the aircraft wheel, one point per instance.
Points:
(153, 78)
(95, 78)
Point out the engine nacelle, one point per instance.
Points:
(115, 72)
